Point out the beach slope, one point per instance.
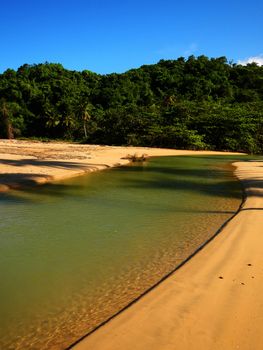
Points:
(214, 301)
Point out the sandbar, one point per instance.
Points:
(25, 163)
(214, 301)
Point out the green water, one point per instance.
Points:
(75, 252)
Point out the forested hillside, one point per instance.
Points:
(198, 103)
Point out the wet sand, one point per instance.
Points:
(25, 163)
(214, 301)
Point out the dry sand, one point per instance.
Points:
(214, 301)
(26, 163)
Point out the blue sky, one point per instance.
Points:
(114, 36)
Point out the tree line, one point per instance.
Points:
(194, 103)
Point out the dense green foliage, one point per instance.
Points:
(197, 103)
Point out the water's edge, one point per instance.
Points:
(176, 268)
(84, 249)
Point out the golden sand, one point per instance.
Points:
(213, 302)
(26, 163)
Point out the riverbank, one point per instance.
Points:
(24, 163)
(213, 301)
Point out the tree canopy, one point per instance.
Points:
(194, 103)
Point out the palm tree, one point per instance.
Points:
(83, 113)
(85, 118)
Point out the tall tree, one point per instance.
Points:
(5, 118)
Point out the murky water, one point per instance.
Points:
(75, 252)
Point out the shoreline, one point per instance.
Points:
(212, 300)
(81, 342)
(208, 301)
(27, 163)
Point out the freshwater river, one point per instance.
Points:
(75, 252)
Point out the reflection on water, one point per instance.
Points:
(75, 252)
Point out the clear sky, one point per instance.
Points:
(108, 36)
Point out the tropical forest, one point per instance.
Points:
(194, 103)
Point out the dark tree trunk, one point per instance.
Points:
(7, 124)
(85, 129)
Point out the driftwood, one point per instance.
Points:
(136, 158)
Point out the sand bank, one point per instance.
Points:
(26, 163)
(214, 301)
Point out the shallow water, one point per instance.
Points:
(75, 252)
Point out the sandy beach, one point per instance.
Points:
(212, 302)
(26, 163)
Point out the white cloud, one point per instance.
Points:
(256, 59)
